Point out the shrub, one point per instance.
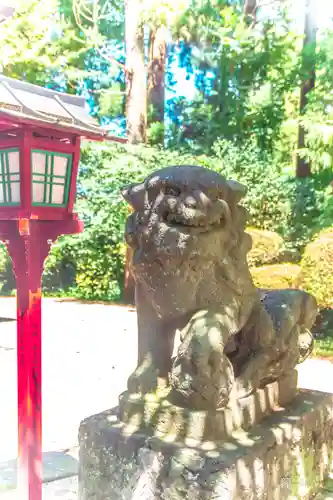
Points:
(317, 265)
(277, 276)
(266, 247)
(275, 200)
(267, 199)
(305, 206)
(7, 282)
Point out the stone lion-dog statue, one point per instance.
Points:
(187, 232)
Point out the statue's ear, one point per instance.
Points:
(238, 190)
(134, 194)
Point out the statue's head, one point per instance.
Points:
(184, 209)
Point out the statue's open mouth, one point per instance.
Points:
(200, 222)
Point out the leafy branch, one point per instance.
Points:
(88, 15)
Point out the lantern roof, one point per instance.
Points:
(23, 103)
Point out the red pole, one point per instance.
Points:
(29, 376)
(28, 245)
(29, 363)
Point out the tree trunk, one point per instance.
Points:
(136, 74)
(303, 167)
(156, 73)
(250, 9)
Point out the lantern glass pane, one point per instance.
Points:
(38, 163)
(60, 165)
(14, 162)
(50, 178)
(58, 192)
(9, 177)
(38, 192)
(15, 192)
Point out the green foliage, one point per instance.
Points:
(6, 275)
(325, 218)
(275, 199)
(266, 247)
(318, 119)
(256, 67)
(25, 51)
(43, 44)
(96, 258)
(91, 265)
(277, 276)
(248, 124)
(111, 101)
(323, 332)
(155, 134)
(317, 262)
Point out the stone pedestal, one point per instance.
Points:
(286, 455)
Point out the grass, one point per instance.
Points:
(327, 491)
(323, 333)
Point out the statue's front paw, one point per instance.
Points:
(143, 380)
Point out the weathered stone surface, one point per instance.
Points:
(156, 415)
(190, 267)
(287, 456)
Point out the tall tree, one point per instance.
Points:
(156, 73)
(254, 67)
(250, 9)
(99, 28)
(303, 165)
(136, 73)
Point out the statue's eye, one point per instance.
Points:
(171, 191)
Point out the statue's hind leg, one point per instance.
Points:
(280, 338)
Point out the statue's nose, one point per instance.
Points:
(198, 199)
(190, 201)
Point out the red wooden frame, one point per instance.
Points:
(26, 142)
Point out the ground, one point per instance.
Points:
(88, 352)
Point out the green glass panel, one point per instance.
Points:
(8, 179)
(50, 180)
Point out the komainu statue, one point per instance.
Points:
(193, 283)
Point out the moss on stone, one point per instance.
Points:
(277, 276)
(317, 268)
(266, 247)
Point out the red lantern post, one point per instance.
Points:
(40, 133)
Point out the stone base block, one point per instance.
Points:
(156, 412)
(286, 456)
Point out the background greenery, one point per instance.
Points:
(91, 265)
(242, 120)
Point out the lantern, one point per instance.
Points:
(40, 133)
